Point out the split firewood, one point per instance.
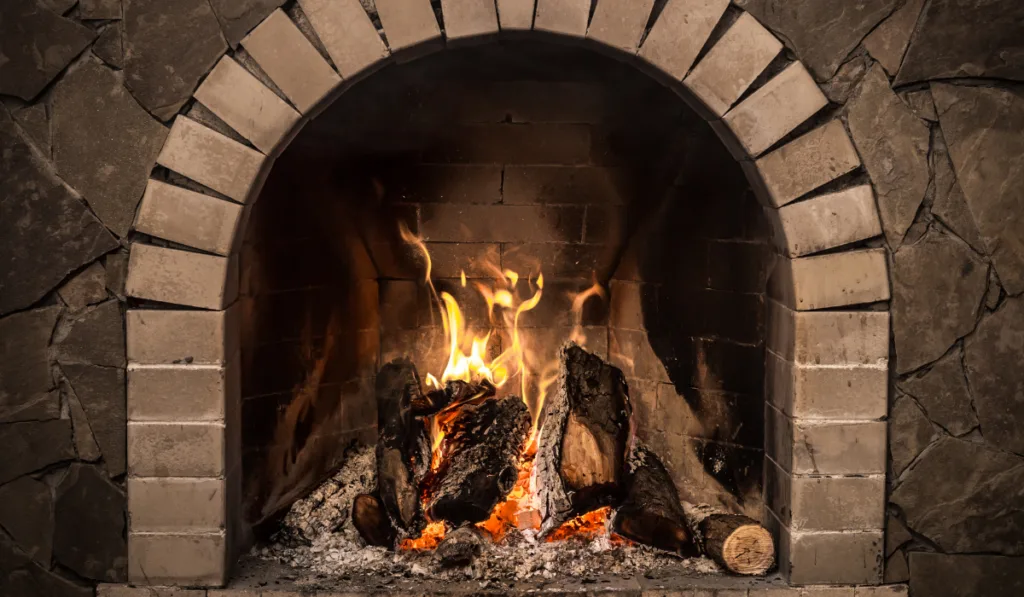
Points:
(651, 512)
(582, 446)
(403, 446)
(479, 459)
(737, 543)
(372, 522)
(454, 393)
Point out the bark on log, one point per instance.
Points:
(651, 512)
(479, 463)
(459, 547)
(372, 522)
(453, 393)
(582, 446)
(403, 446)
(739, 544)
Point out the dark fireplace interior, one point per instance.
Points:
(539, 159)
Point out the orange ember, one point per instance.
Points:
(430, 538)
(587, 526)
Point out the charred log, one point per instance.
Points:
(403, 446)
(479, 459)
(372, 522)
(739, 544)
(460, 547)
(454, 393)
(651, 512)
(582, 446)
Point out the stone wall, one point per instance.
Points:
(929, 91)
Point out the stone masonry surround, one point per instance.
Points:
(887, 190)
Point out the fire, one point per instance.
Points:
(587, 527)
(508, 296)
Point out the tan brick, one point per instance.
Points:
(823, 557)
(163, 336)
(188, 218)
(466, 20)
(181, 392)
(291, 62)
(565, 17)
(164, 558)
(802, 592)
(211, 159)
(778, 107)
(175, 449)
(246, 105)
(852, 392)
(516, 15)
(626, 305)
(827, 221)
(561, 184)
(126, 591)
(883, 591)
(732, 64)
(410, 27)
(829, 337)
(181, 277)
(679, 33)
(825, 503)
(234, 593)
(804, 164)
(500, 223)
(620, 23)
(821, 447)
(347, 33)
(176, 505)
(832, 280)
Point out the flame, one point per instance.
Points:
(469, 360)
(587, 527)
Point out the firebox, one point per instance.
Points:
(517, 312)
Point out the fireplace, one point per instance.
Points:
(624, 267)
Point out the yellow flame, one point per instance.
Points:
(462, 277)
(578, 301)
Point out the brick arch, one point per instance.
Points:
(828, 360)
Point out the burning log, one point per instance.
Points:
(454, 393)
(372, 522)
(403, 446)
(651, 512)
(582, 446)
(739, 544)
(479, 458)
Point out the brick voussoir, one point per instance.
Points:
(211, 159)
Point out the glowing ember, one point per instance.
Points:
(587, 527)
(508, 295)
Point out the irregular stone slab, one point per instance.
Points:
(993, 359)
(108, 47)
(59, 6)
(104, 144)
(949, 204)
(86, 288)
(943, 393)
(981, 126)
(30, 446)
(85, 443)
(101, 391)
(45, 232)
(893, 143)
(33, 120)
(821, 33)
(160, 75)
(36, 45)
(920, 101)
(994, 292)
(96, 337)
(116, 265)
(910, 432)
(99, 9)
(90, 515)
(26, 512)
(966, 497)
(937, 274)
(34, 580)
(238, 17)
(25, 381)
(846, 79)
(980, 38)
(945, 575)
(888, 42)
